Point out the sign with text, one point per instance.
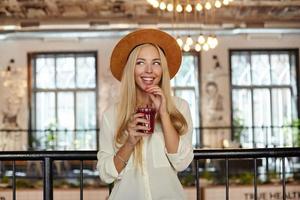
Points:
(264, 192)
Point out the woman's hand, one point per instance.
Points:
(158, 98)
(136, 127)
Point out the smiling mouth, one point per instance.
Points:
(147, 80)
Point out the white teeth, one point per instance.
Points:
(147, 79)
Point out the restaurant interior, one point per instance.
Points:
(240, 75)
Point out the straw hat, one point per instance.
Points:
(162, 39)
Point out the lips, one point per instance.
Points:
(147, 80)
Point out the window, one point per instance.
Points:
(63, 111)
(264, 92)
(185, 85)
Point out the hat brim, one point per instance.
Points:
(162, 39)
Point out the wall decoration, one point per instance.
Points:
(214, 100)
(13, 86)
(215, 106)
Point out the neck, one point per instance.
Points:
(142, 98)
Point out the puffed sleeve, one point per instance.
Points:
(105, 165)
(184, 156)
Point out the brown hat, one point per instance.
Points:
(162, 39)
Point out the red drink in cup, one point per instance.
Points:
(149, 114)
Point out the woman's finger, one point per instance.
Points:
(142, 120)
(140, 134)
(152, 90)
(152, 97)
(142, 128)
(138, 115)
(153, 87)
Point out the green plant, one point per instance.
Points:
(48, 139)
(238, 124)
(187, 180)
(297, 177)
(246, 178)
(61, 184)
(51, 136)
(272, 177)
(35, 142)
(20, 183)
(293, 127)
(207, 175)
(295, 124)
(5, 180)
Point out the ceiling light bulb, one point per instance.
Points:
(162, 5)
(198, 47)
(210, 41)
(214, 43)
(225, 2)
(170, 7)
(186, 48)
(208, 5)
(201, 39)
(155, 4)
(179, 41)
(218, 4)
(199, 7)
(152, 2)
(205, 47)
(179, 8)
(189, 8)
(189, 40)
(209, 38)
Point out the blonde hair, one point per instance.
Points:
(127, 103)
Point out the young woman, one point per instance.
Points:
(143, 165)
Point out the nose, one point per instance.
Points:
(149, 68)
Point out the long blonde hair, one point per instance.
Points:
(127, 103)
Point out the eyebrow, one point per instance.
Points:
(155, 59)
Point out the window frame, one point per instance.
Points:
(197, 57)
(269, 87)
(31, 56)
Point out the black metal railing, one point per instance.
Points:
(38, 139)
(48, 157)
(254, 154)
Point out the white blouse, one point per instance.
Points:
(157, 180)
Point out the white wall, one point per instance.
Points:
(108, 86)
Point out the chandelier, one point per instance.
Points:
(191, 10)
(187, 5)
(197, 43)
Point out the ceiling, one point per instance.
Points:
(110, 14)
